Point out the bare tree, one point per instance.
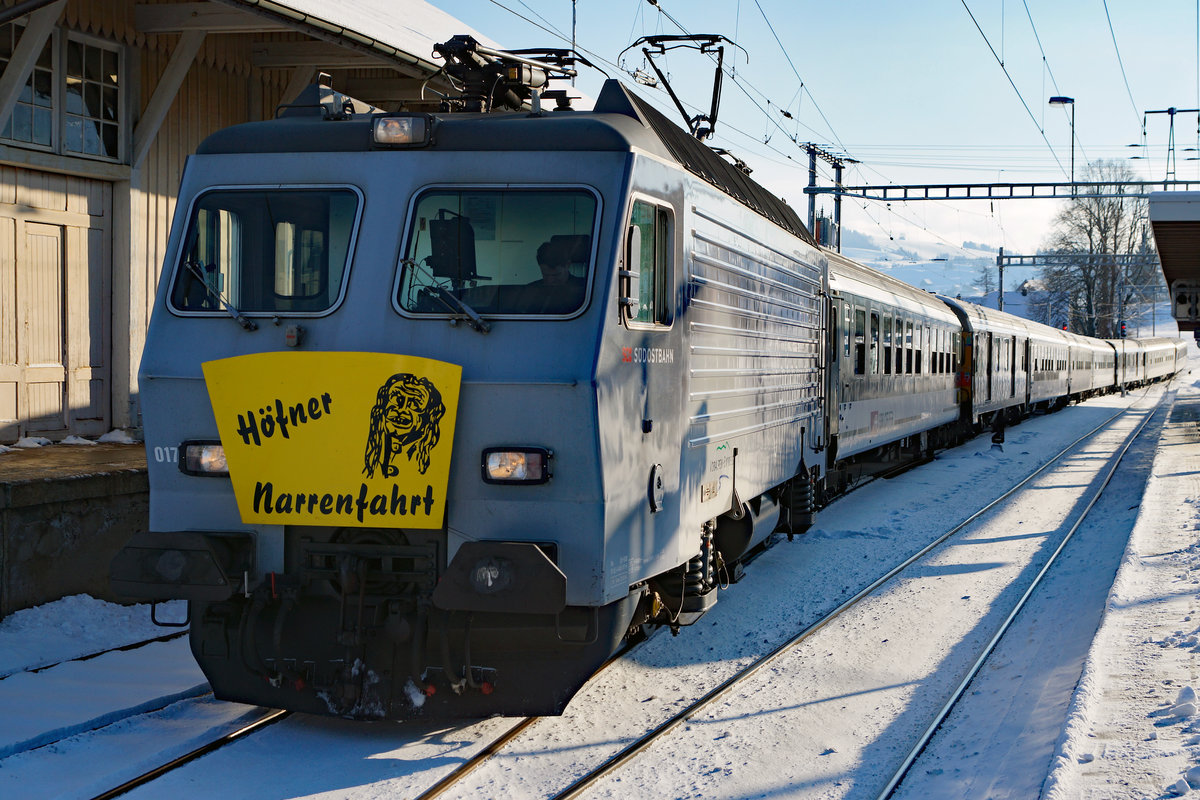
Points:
(987, 281)
(1099, 227)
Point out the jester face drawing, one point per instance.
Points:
(405, 420)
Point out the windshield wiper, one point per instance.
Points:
(451, 301)
(194, 268)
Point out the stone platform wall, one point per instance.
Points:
(58, 536)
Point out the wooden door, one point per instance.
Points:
(41, 340)
(55, 305)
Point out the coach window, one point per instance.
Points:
(887, 345)
(846, 331)
(908, 347)
(923, 351)
(918, 349)
(874, 342)
(860, 343)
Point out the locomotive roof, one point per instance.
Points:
(620, 121)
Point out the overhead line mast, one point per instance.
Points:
(1171, 112)
(838, 162)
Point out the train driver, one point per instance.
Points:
(557, 291)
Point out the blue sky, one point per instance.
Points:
(911, 89)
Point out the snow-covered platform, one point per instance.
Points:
(1133, 729)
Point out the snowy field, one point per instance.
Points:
(1092, 694)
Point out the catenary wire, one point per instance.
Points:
(1121, 62)
(742, 86)
(1012, 83)
(1050, 72)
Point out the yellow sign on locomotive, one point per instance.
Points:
(346, 439)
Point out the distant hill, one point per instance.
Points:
(926, 265)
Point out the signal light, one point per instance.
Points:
(1122, 330)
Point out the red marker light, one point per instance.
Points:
(430, 690)
(486, 687)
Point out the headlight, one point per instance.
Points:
(203, 458)
(516, 465)
(407, 131)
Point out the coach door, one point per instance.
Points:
(990, 356)
(1027, 369)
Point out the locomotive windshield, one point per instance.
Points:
(517, 251)
(266, 250)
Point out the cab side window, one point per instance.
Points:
(654, 222)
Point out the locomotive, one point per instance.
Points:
(445, 406)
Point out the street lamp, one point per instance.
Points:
(1062, 101)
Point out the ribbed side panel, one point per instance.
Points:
(755, 322)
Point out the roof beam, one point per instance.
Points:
(20, 66)
(164, 94)
(209, 17)
(388, 90)
(301, 78)
(285, 55)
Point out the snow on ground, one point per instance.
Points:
(1130, 730)
(133, 682)
(1003, 736)
(1133, 729)
(75, 626)
(837, 715)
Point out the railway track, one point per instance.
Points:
(269, 717)
(663, 730)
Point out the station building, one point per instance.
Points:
(101, 101)
(1175, 218)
